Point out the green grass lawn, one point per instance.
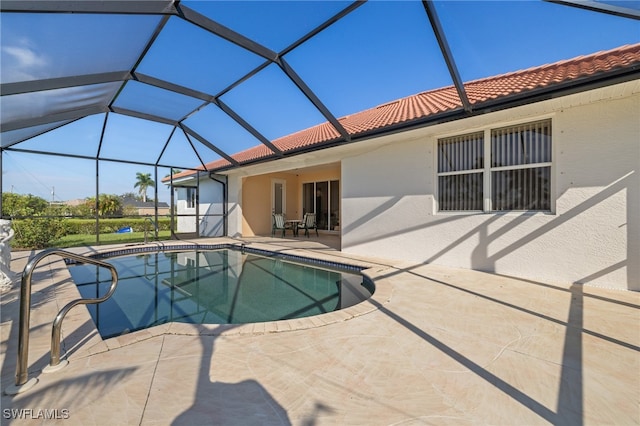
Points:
(113, 238)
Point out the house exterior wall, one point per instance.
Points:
(162, 211)
(256, 202)
(211, 202)
(592, 236)
(184, 223)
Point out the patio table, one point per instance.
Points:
(294, 225)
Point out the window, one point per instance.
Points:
(192, 198)
(510, 172)
(460, 171)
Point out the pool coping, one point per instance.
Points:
(376, 273)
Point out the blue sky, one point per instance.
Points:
(382, 51)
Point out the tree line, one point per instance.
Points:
(108, 205)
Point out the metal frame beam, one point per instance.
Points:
(313, 98)
(102, 132)
(186, 135)
(7, 89)
(139, 7)
(52, 118)
(446, 52)
(208, 144)
(163, 84)
(88, 157)
(166, 144)
(153, 38)
(57, 126)
(596, 6)
(326, 24)
(138, 114)
(231, 113)
(228, 34)
(207, 99)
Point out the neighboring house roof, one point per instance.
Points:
(443, 100)
(144, 205)
(75, 202)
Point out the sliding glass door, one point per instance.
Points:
(323, 199)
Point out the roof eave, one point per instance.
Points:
(505, 102)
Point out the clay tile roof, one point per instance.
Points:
(446, 99)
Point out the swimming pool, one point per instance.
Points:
(223, 286)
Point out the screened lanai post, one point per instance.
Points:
(430, 8)
(172, 207)
(97, 201)
(164, 148)
(1, 187)
(197, 204)
(155, 201)
(104, 129)
(225, 198)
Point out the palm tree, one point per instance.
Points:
(143, 181)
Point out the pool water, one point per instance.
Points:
(213, 287)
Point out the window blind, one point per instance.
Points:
(460, 172)
(521, 167)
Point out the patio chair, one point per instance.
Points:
(278, 223)
(308, 222)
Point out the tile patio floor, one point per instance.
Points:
(434, 345)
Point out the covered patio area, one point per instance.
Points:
(295, 192)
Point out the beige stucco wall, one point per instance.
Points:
(256, 202)
(162, 211)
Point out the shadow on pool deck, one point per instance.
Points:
(448, 346)
(223, 403)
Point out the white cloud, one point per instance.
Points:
(20, 63)
(24, 56)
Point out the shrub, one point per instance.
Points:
(22, 205)
(37, 233)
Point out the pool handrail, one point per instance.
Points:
(25, 313)
(155, 227)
